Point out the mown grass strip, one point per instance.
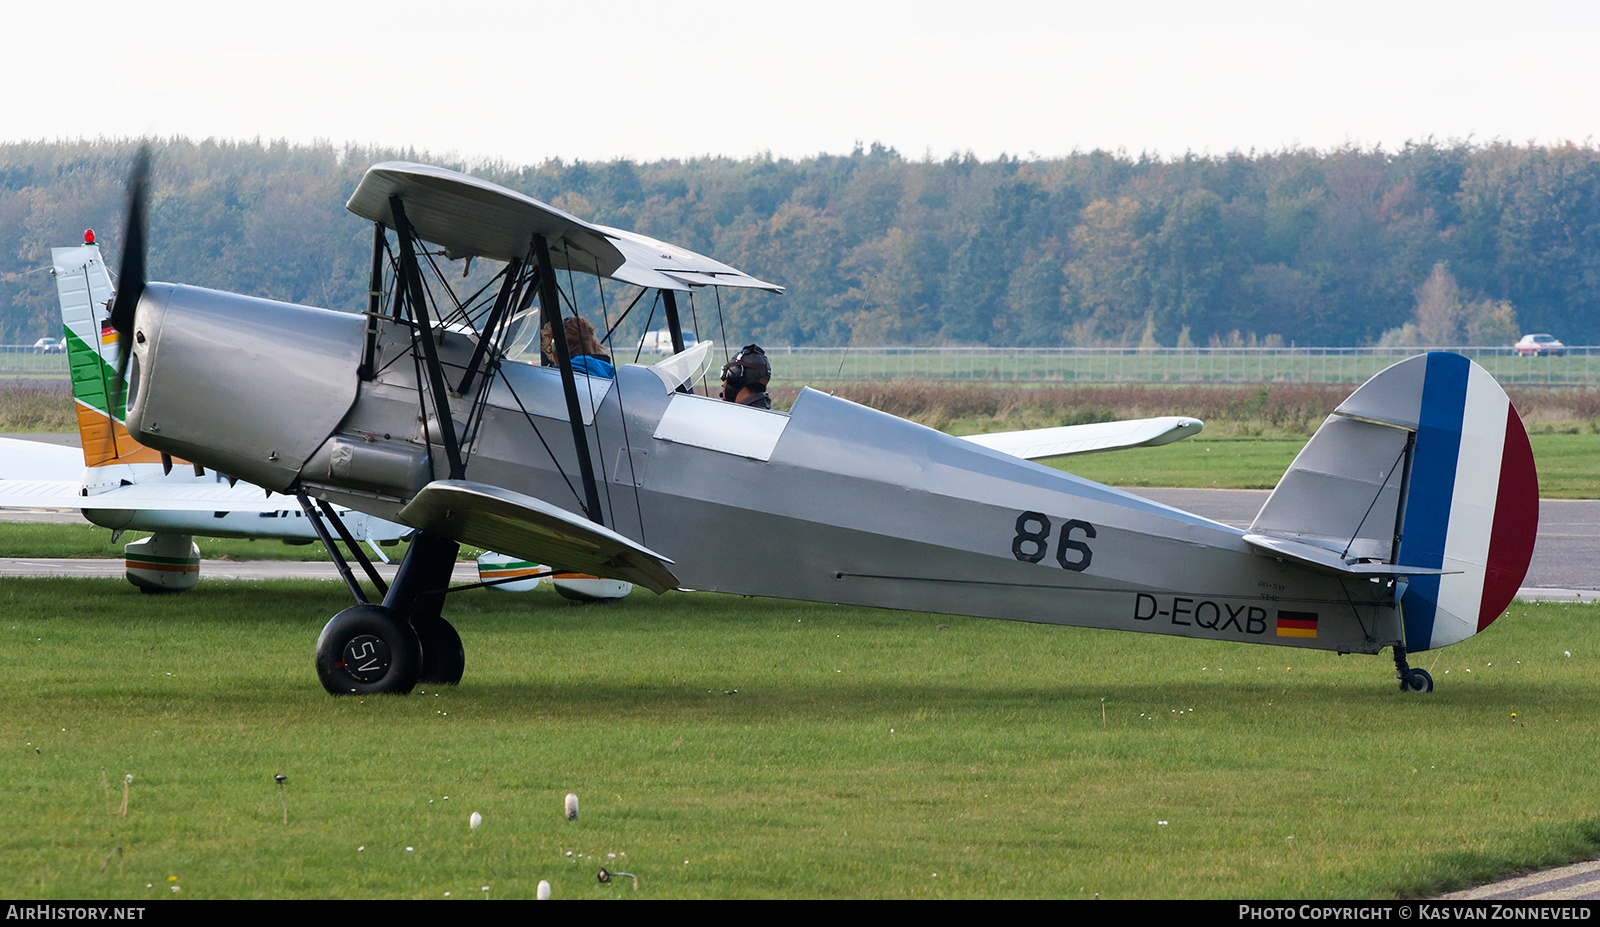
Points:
(735, 747)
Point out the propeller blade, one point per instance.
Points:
(131, 277)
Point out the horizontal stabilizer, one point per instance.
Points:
(1328, 561)
(1071, 440)
(522, 526)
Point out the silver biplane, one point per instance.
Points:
(1407, 522)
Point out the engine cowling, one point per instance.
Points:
(247, 386)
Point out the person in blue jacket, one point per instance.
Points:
(588, 357)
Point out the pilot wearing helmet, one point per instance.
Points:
(745, 378)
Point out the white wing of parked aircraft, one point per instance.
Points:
(1071, 440)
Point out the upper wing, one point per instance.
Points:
(680, 264)
(1069, 440)
(522, 526)
(470, 216)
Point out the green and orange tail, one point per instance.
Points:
(83, 285)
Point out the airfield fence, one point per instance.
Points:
(19, 360)
(1580, 366)
(793, 366)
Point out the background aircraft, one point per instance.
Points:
(125, 486)
(1406, 522)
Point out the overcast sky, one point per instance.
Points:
(523, 82)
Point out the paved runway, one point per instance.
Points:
(1578, 882)
(1566, 554)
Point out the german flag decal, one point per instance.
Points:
(1297, 624)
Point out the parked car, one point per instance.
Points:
(49, 346)
(660, 342)
(1540, 344)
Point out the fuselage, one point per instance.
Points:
(831, 502)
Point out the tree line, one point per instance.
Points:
(1342, 247)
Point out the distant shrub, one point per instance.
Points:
(37, 409)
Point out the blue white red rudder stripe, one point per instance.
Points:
(1472, 507)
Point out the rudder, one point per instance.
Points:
(83, 287)
(1428, 466)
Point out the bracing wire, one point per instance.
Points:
(1393, 469)
(480, 402)
(582, 506)
(647, 323)
(611, 328)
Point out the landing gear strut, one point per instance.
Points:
(1411, 678)
(369, 649)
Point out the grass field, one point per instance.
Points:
(733, 747)
(1568, 464)
(818, 366)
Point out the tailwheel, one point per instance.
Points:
(443, 657)
(366, 650)
(1411, 678)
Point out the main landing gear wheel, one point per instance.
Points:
(443, 657)
(1416, 680)
(366, 650)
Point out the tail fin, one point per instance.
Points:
(83, 285)
(1427, 467)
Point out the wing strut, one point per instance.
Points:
(550, 306)
(506, 296)
(669, 299)
(1405, 492)
(374, 303)
(419, 312)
